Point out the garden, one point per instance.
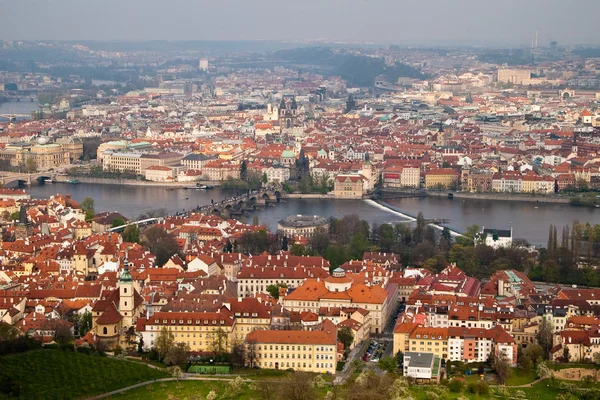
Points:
(57, 374)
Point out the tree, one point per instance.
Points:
(319, 242)
(284, 243)
(30, 165)
(87, 206)
(358, 245)
(502, 368)
(265, 179)
(176, 372)
(388, 364)
(177, 354)
(62, 332)
(250, 353)
(131, 234)
(85, 323)
(140, 348)
(544, 336)
(273, 289)
(566, 357)
(116, 222)
(298, 250)
(218, 343)
(164, 342)
(345, 336)
(244, 171)
(336, 255)
(160, 243)
(15, 216)
(298, 386)
(535, 352)
(542, 371)
(266, 390)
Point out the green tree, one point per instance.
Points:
(244, 171)
(336, 255)
(358, 245)
(273, 289)
(118, 222)
(388, 364)
(265, 178)
(545, 337)
(87, 206)
(131, 234)
(85, 323)
(164, 342)
(298, 250)
(345, 336)
(387, 237)
(15, 216)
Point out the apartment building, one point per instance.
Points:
(443, 178)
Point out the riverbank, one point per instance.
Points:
(132, 182)
(504, 197)
(307, 196)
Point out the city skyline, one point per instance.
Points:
(430, 22)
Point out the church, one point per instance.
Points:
(117, 311)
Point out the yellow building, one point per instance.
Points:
(44, 156)
(417, 338)
(443, 178)
(202, 331)
(349, 186)
(311, 351)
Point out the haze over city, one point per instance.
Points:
(429, 22)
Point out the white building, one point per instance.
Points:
(496, 238)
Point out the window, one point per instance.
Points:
(105, 330)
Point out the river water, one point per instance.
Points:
(23, 107)
(527, 221)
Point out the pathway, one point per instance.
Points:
(186, 377)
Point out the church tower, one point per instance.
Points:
(126, 295)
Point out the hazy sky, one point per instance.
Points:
(508, 22)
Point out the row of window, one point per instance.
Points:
(322, 348)
(293, 365)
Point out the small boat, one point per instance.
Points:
(536, 207)
(73, 181)
(192, 187)
(48, 181)
(170, 189)
(187, 198)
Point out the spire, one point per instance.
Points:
(125, 276)
(23, 215)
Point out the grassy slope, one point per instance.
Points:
(54, 374)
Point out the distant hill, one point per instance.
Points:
(362, 71)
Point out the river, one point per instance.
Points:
(527, 221)
(23, 107)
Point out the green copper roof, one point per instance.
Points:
(126, 276)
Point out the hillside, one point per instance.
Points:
(54, 374)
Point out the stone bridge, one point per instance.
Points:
(237, 205)
(7, 177)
